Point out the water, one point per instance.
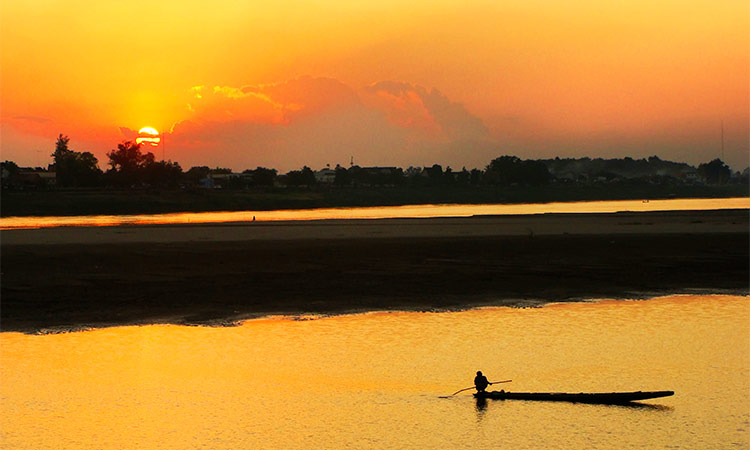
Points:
(376, 380)
(385, 212)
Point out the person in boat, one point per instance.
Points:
(480, 382)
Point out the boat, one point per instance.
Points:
(608, 398)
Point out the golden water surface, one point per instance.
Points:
(380, 212)
(376, 380)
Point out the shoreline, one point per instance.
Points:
(78, 278)
(238, 320)
(67, 202)
(625, 222)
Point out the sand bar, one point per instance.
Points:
(66, 278)
(721, 221)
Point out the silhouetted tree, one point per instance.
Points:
(449, 177)
(304, 177)
(507, 170)
(415, 176)
(61, 148)
(715, 171)
(10, 172)
(162, 174)
(435, 174)
(10, 167)
(127, 164)
(476, 177)
(463, 177)
(262, 176)
(342, 177)
(197, 173)
(502, 170)
(74, 168)
(534, 173)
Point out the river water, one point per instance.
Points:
(378, 380)
(380, 212)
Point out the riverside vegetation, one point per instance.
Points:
(135, 182)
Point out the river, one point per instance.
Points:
(382, 212)
(379, 380)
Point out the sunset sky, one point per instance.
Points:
(289, 83)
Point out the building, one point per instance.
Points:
(325, 176)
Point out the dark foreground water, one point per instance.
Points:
(376, 380)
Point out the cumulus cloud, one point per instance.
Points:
(318, 121)
(414, 106)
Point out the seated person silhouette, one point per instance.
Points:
(480, 382)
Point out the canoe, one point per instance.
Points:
(611, 398)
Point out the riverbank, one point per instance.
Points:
(142, 201)
(68, 278)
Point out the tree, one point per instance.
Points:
(262, 176)
(463, 177)
(503, 170)
(715, 171)
(415, 176)
(449, 178)
(304, 177)
(476, 177)
(534, 173)
(61, 147)
(197, 173)
(162, 174)
(507, 170)
(10, 172)
(435, 174)
(127, 163)
(9, 168)
(342, 176)
(74, 168)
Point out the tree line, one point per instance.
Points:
(129, 166)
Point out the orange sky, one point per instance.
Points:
(288, 83)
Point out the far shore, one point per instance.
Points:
(73, 202)
(70, 278)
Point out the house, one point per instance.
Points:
(35, 177)
(325, 176)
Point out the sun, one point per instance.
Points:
(148, 135)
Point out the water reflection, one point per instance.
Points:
(481, 407)
(410, 211)
(481, 404)
(373, 380)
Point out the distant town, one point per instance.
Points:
(130, 167)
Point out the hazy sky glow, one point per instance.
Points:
(288, 83)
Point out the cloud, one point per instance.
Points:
(318, 121)
(414, 106)
(128, 134)
(34, 119)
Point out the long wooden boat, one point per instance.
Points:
(610, 398)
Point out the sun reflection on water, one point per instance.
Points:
(410, 211)
(376, 380)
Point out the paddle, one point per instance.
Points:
(472, 387)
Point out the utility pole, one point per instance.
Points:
(722, 140)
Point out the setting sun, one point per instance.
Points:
(390, 224)
(148, 136)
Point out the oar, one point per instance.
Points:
(472, 387)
